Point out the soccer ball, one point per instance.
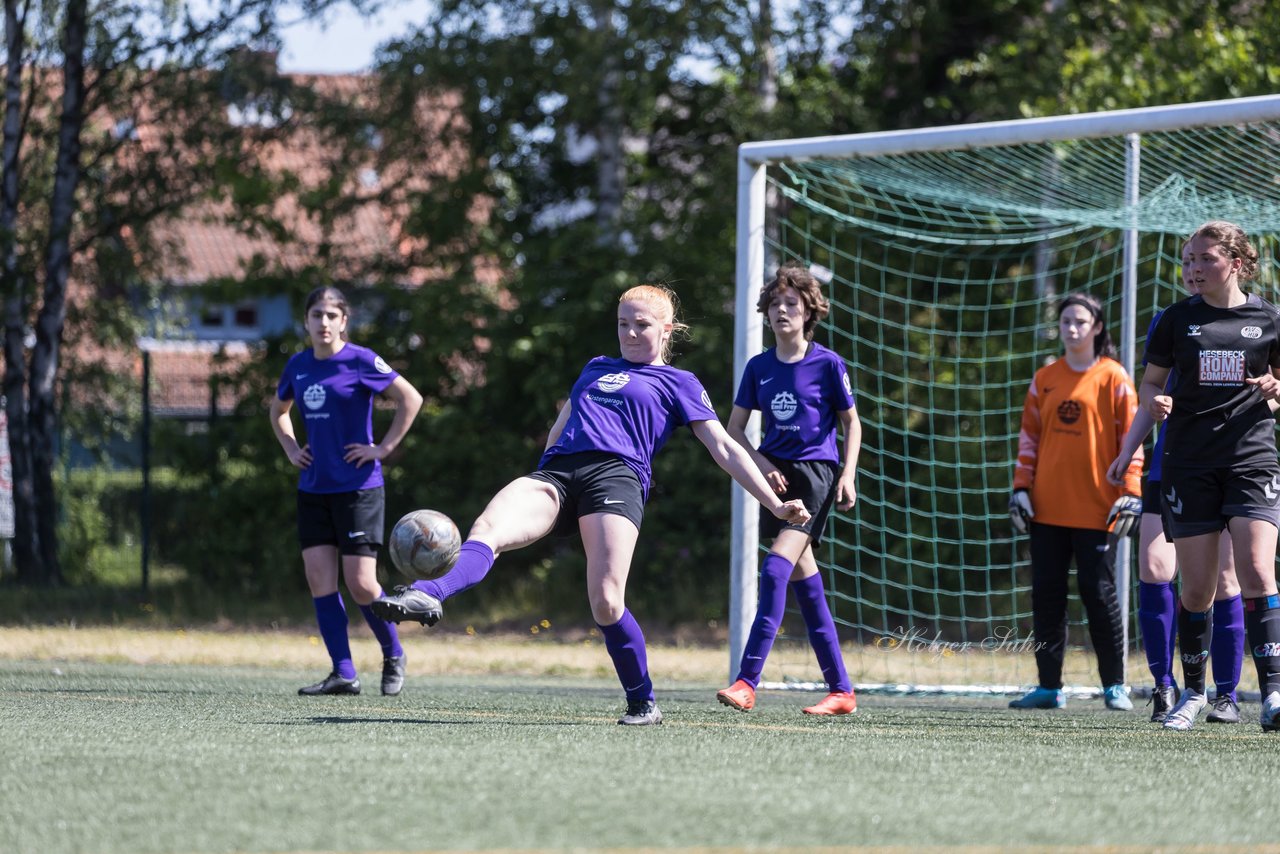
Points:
(424, 544)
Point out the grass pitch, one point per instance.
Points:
(212, 757)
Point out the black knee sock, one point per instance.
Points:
(1194, 632)
(1262, 625)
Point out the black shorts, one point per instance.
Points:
(1202, 501)
(592, 482)
(1151, 500)
(352, 521)
(814, 483)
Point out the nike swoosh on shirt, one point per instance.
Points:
(766, 382)
(300, 377)
(614, 501)
(351, 535)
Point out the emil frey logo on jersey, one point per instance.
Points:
(1251, 332)
(613, 382)
(1222, 367)
(783, 406)
(313, 397)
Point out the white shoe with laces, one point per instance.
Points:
(1183, 716)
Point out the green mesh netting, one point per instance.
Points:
(944, 268)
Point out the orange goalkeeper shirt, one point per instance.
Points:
(1072, 425)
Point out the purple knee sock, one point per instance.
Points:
(1226, 649)
(331, 615)
(822, 631)
(770, 605)
(384, 631)
(475, 559)
(1157, 617)
(625, 643)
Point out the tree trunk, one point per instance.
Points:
(13, 284)
(767, 91)
(53, 311)
(608, 130)
(768, 70)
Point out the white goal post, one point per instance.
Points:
(756, 158)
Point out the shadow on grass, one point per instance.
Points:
(488, 722)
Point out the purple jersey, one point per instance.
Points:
(335, 397)
(798, 401)
(629, 409)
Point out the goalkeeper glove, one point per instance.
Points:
(1020, 512)
(1124, 513)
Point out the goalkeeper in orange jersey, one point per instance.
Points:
(1076, 414)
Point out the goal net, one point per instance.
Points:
(943, 251)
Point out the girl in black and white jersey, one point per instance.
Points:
(1220, 466)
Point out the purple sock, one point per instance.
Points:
(331, 615)
(385, 632)
(822, 631)
(1157, 617)
(1226, 649)
(772, 602)
(475, 559)
(1194, 631)
(625, 643)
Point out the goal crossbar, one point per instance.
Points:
(1014, 131)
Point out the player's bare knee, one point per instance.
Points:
(606, 609)
(480, 529)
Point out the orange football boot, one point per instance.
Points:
(740, 695)
(835, 703)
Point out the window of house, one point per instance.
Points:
(211, 316)
(246, 316)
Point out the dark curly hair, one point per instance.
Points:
(800, 280)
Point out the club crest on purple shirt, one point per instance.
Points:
(613, 382)
(313, 397)
(783, 406)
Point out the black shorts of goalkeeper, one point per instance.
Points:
(814, 483)
(1202, 501)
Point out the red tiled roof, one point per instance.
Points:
(206, 243)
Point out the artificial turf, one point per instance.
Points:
(132, 758)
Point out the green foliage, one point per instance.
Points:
(527, 251)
